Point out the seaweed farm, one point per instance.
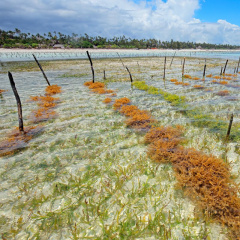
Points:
(154, 158)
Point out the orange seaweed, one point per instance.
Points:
(107, 100)
(46, 104)
(88, 83)
(178, 83)
(34, 98)
(120, 102)
(99, 90)
(43, 114)
(208, 90)
(198, 86)
(48, 98)
(223, 82)
(96, 85)
(223, 93)
(187, 76)
(204, 178)
(53, 89)
(99, 87)
(140, 119)
(17, 140)
(166, 133)
(109, 91)
(128, 110)
(1, 91)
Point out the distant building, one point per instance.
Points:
(59, 46)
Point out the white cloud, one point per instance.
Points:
(165, 21)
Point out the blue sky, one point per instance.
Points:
(213, 21)
(212, 10)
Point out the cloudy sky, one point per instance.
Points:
(213, 21)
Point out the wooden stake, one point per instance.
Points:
(104, 75)
(121, 60)
(172, 59)
(39, 65)
(229, 127)
(90, 60)
(183, 67)
(221, 71)
(225, 67)
(164, 73)
(204, 70)
(138, 66)
(129, 74)
(19, 105)
(238, 64)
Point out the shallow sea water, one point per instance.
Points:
(87, 175)
(75, 54)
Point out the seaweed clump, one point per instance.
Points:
(17, 140)
(223, 93)
(107, 100)
(204, 178)
(223, 82)
(197, 86)
(187, 76)
(2, 90)
(138, 119)
(174, 99)
(121, 102)
(46, 104)
(165, 133)
(163, 142)
(53, 89)
(128, 110)
(98, 87)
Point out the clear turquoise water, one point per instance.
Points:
(87, 154)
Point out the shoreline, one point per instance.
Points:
(83, 50)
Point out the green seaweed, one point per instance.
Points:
(174, 99)
(73, 75)
(198, 119)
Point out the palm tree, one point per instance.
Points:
(17, 31)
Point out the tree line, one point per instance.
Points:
(18, 39)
